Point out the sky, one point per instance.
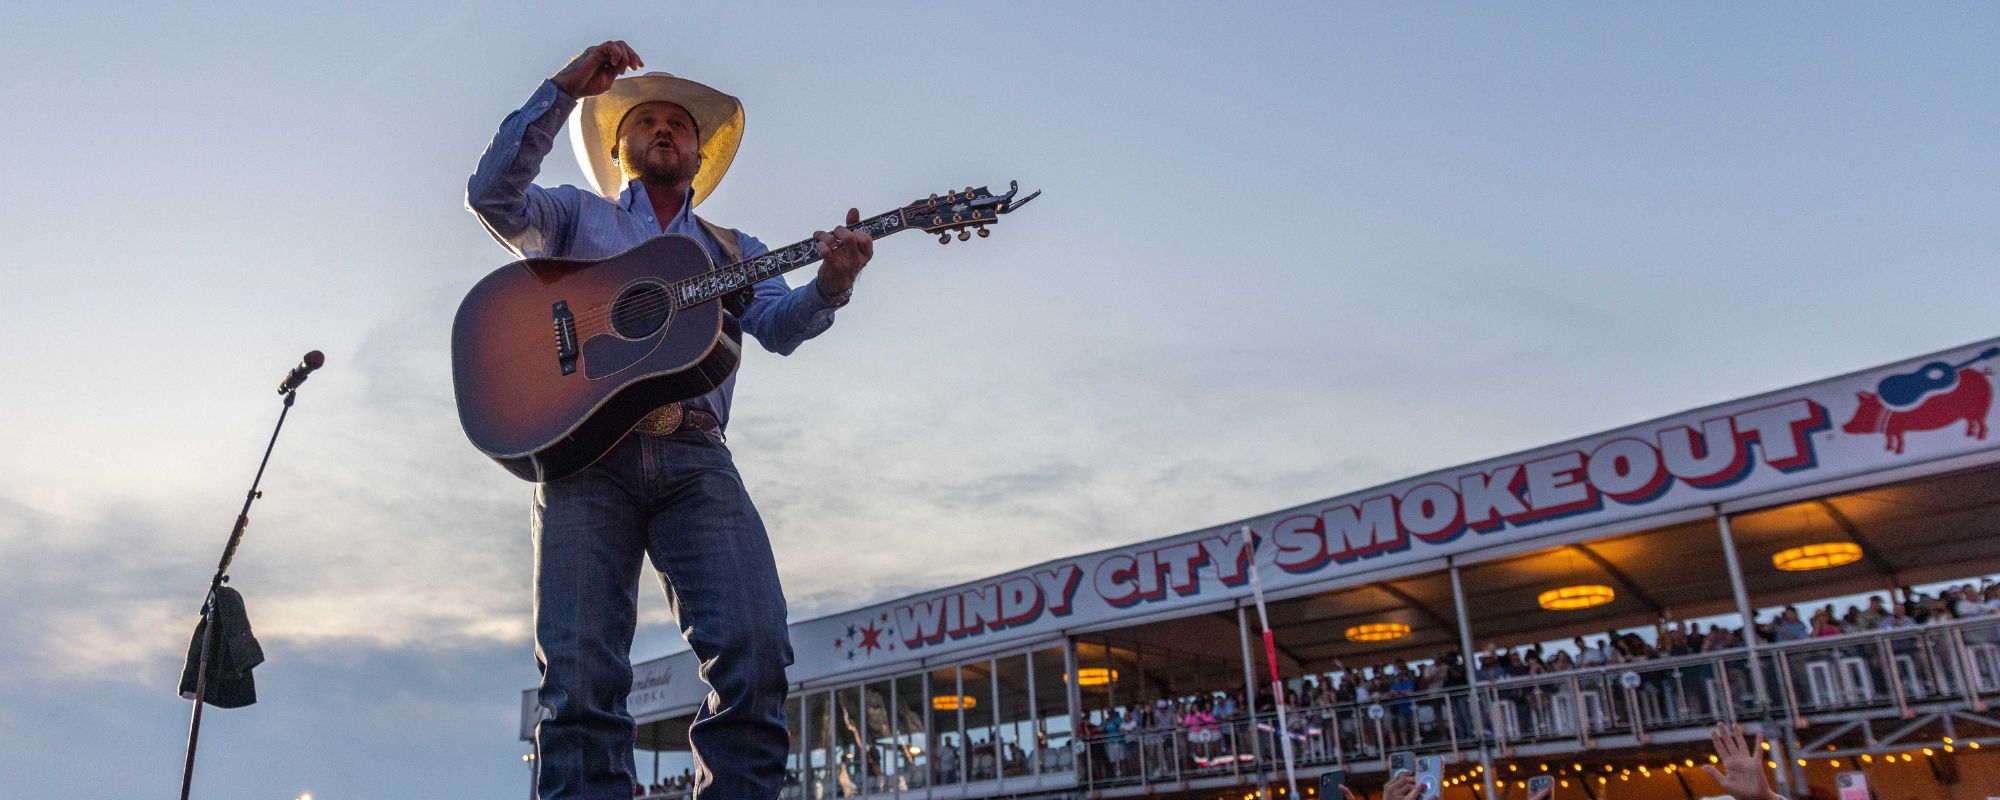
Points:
(1285, 251)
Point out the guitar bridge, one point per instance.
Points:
(565, 326)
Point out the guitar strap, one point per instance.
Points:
(732, 252)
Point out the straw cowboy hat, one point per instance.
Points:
(593, 128)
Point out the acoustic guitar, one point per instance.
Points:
(553, 360)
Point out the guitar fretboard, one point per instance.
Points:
(734, 277)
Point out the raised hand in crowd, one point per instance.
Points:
(1402, 787)
(1742, 774)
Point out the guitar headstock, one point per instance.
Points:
(966, 211)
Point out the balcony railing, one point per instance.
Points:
(1878, 673)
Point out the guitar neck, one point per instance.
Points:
(749, 271)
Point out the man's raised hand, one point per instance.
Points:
(593, 70)
(1742, 773)
(846, 251)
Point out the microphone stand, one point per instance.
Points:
(215, 585)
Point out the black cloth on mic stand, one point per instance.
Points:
(236, 652)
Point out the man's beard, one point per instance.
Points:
(657, 174)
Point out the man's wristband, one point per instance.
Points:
(835, 300)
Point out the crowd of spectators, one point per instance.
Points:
(1672, 638)
(1399, 685)
(671, 786)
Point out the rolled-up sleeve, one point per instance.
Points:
(781, 317)
(527, 219)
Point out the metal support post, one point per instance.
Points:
(1250, 702)
(1743, 608)
(1471, 678)
(1750, 643)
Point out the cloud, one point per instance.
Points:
(340, 719)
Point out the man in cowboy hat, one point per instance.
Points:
(653, 146)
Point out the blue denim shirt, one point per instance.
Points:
(569, 222)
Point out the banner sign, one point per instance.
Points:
(1928, 408)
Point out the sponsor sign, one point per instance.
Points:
(653, 687)
(1927, 408)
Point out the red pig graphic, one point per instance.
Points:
(1969, 401)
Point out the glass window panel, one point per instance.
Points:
(912, 760)
(946, 761)
(818, 734)
(795, 719)
(877, 767)
(1014, 715)
(976, 683)
(1051, 749)
(1098, 676)
(847, 740)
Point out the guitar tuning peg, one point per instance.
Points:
(944, 238)
(964, 234)
(983, 232)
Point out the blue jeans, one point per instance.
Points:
(678, 499)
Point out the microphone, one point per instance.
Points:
(312, 361)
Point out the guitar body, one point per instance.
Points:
(554, 360)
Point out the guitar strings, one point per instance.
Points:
(599, 320)
(603, 310)
(669, 294)
(649, 305)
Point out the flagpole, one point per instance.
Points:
(1271, 657)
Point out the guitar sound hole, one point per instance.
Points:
(640, 310)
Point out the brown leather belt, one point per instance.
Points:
(673, 418)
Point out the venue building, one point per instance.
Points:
(1810, 562)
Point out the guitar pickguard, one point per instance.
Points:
(605, 355)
